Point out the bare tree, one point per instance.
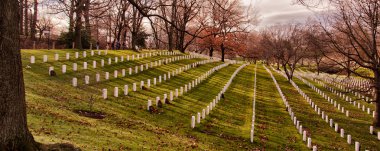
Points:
(14, 133)
(352, 32)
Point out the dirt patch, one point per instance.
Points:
(91, 114)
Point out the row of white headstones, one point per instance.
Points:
(92, 52)
(343, 81)
(116, 60)
(356, 84)
(253, 107)
(356, 94)
(56, 56)
(343, 96)
(165, 77)
(346, 97)
(206, 111)
(324, 116)
(352, 86)
(141, 67)
(338, 106)
(186, 88)
(291, 114)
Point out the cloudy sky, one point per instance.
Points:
(279, 11)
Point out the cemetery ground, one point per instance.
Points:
(58, 112)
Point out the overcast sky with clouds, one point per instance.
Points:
(279, 11)
(270, 11)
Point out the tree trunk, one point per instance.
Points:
(26, 24)
(211, 51)
(71, 16)
(170, 40)
(14, 133)
(376, 121)
(21, 16)
(87, 18)
(222, 48)
(348, 71)
(34, 21)
(78, 25)
(134, 40)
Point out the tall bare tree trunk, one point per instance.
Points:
(34, 21)
(211, 53)
(222, 48)
(26, 24)
(71, 16)
(21, 17)
(14, 133)
(87, 17)
(78, 24)
(376, 121)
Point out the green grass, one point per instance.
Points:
(274, 129)
(51, 102)
(324, 137)
(357, 125)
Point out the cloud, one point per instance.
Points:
(288, 17)
(281, 11)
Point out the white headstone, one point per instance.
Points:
(75, 82)
(45, 59)
(87, 79)
(75, 67)
(115, 74)
(203, 113)
(134, 87)
(116, 92)
(309, 142)
(357, 146)
(123, 72)
(56, 57)
(97, 77)
(141, 84)
(125, 89)
(107, 75)
(157, 100)
(349, 141)
(32, 59)
(64, 68)
(85, 65)
(149, 104)
(192, 121)
(104, 91)
(51, 69)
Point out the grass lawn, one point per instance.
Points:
(52, 105)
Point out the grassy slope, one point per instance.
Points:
(51, 101)
(357, 124)
(274, 130)
(322, 135)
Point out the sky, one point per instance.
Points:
(279, 11)
(270, 12)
